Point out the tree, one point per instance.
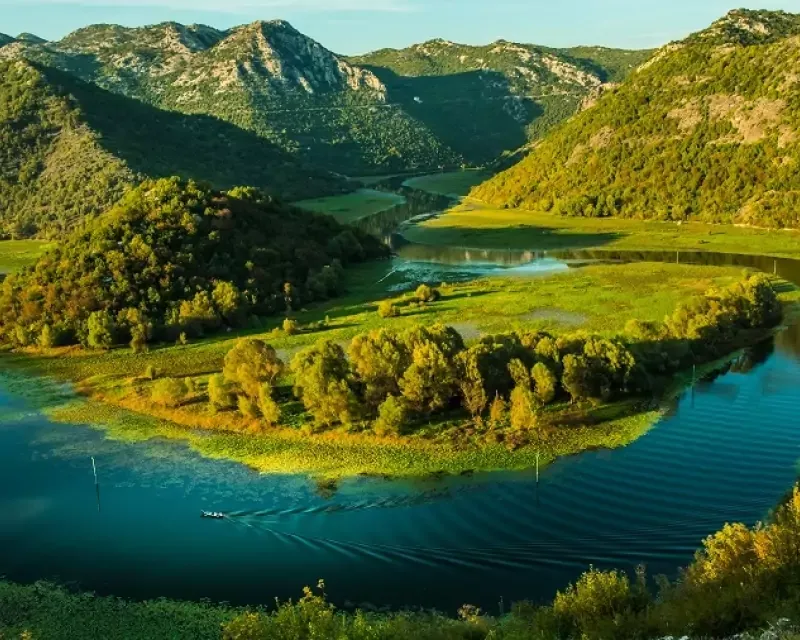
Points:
(270, 410)
(247, 407)
(47, 338)
(228, 300)
(379, 359)
(100, 330)
(471, 383)
(546, 383)
(429, 383)
(322, 380)
(498, 412)
(524, 413)
(575, 378)
(219, 393)
(168, 392)
(392, 415)
(250, 364)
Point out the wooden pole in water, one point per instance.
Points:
(775, 267)
(96, 484)
(537, 467)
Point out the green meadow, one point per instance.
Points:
(353, 206)
(473, 224)
(15, 254)
(455, 184)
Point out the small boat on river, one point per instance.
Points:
(212, 514)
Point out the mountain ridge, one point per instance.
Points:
(708, 128)
(327, 109)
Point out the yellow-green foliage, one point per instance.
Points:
(706, 131)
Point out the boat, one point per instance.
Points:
(212, 514)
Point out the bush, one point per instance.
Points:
(387, 309)
(219, 393)
(247, 407)
(392, 415)
(270, 410)
(426, 293)
(290, 326)
(168, 392)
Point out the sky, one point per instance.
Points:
(358, 26)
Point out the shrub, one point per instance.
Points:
(387, 309)
(100, 330)
(47, 338)
(168, 392)
(219, 393)
(290, 326)
(247, 407)
(270, 410)
(392, 415)
(426, 293)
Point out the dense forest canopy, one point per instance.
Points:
(178, 257)
(69, 150)
(709, 129)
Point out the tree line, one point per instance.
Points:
(388, 380)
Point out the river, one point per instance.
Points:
(727, 451)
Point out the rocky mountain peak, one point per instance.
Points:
(749, 27)
(285, 57)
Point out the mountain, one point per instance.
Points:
(264, 77)
(69, 150)
(4, 39)
(30, 38)
(174, 256)
(486, 100)
(708, 129)
(436, 104)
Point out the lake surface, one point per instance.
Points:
(726, 452)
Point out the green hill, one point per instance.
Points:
(70, 149)
(708, 129)
(483, 101)
(4, 39)
(173, 257)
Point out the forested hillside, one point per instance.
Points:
(435, 104)
(486, 100)
(175, 257)
(709, 129)
(70, 150)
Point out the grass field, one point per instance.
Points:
(15, 254)
(353, 206)
(455, 184)
(472, 224)
(604, 298)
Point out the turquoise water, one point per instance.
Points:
(726, 452)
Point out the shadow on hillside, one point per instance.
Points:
(158, 143)
(474, 113)
(508, 239)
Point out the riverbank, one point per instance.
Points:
(472, 224)
(116, 399)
